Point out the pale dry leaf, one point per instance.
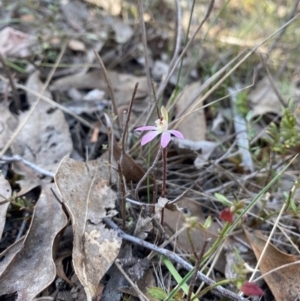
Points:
(14, 43)
(143, 227)
(75, 14)
(32, 269)
(159, 69)
(112, 7)
(241, 130)
(94, 95)
(264, 99)
(123, 32)
(8, 124)
(5, 194)
(45, 139)
(281, 282)
(159, 206)
(193, 127)
(85, 193)
(231, 264)
(122, 84)
(206, 148)
(76, 45)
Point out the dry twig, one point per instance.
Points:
(172, 256)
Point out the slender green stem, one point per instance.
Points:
(218, 241)
(229, 227)
(209, 288)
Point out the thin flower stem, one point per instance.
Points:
(146, 174)
(216, 243)
(164, 180)
(164, 176)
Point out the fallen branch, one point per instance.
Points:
(171, 255)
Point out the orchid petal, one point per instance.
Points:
(164, 113)
(176, 133)
(146, 128)
(165, 139)
(149, 136)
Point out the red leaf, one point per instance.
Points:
(251, 289)
(226, 215)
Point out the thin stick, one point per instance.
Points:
(271, 81)
(172, 256)
(128, 117)
(144, 40)
(29, 164)
(16, 95)
(178, 32)
(123, 196)
(197, 266)
(33, 107)
(110, 88)
(179, 197)
(155, 99)
(289, 17)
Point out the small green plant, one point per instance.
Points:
(242, 103)
(285, 137)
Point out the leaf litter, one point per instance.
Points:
(228, 148)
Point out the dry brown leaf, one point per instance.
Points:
(85, 193)
(193, 127)
(45, 139)
(32, 268)
(122, 84)
(15, 43)
(60, 267)
(5, 193)
(131, 170)
(284, 282)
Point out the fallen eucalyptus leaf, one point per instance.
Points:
(283, 282)
(88, 199)
(32, 268)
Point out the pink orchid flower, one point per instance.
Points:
(160, 128)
